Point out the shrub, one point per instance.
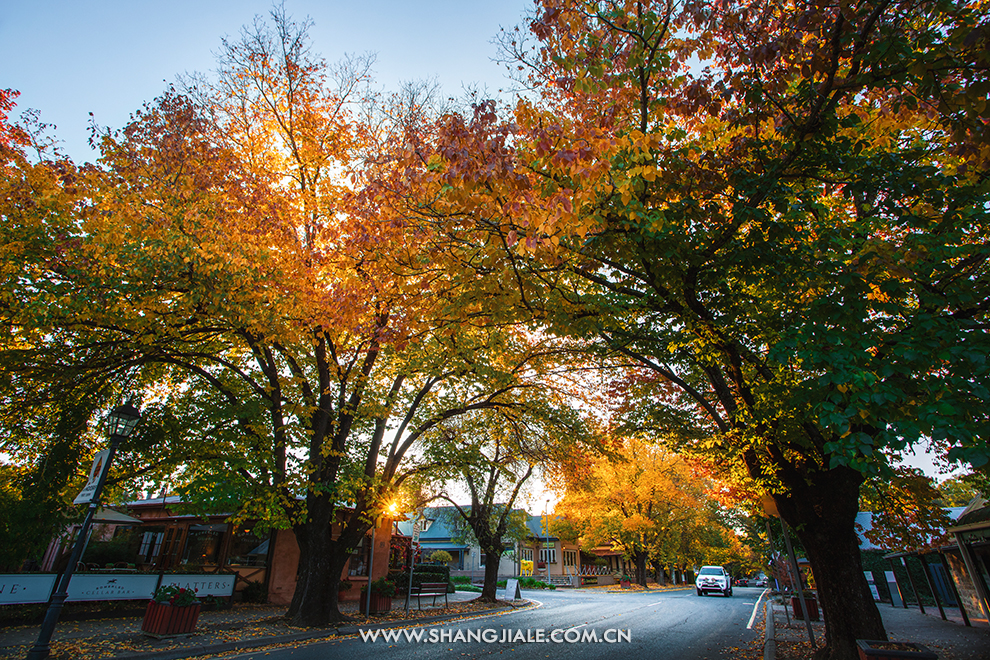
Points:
(441, 557)
(108, 552)
(533, 583)
(255, 593)
(381, 586)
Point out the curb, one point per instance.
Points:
(341, 632)
(769, 643)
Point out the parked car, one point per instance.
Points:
(740, 582)
(713, 578)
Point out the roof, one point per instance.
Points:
(111, 516)
(441, 527)
(975, 516)
(536, 527)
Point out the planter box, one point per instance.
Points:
(379, 604)
(812, 607)
(164, 619)
(877, 650)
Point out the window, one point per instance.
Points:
(203, 544)
(358, 563)
(570, 558)
(151, 543)
(248, 548)
(482, 560)
(526, 554)
(548, 555)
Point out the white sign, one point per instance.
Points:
(204, 585)
(26, 588)
(873, 586)
(112, 586)
(512, 589)
(85, 496)
(417, 529)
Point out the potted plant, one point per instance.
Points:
(382, 591)
(870, 649)
(625, 582)
(173, 610)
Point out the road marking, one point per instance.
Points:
(576, 627)
(756, 607)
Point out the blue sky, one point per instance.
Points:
(70, 58)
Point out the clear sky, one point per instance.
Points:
(69, 58)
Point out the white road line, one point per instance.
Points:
(576, 627)
(756, 608)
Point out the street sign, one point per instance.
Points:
(417, 529)
(85, 496)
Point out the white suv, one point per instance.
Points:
(713, 578)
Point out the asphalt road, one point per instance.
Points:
(576, 625)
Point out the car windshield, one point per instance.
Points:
(711, 571)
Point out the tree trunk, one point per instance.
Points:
(492, 560)
(321, 561)
(641, 557)
(658, 570)
(822, 515)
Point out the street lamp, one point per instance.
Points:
(546, 537)
(120, 424)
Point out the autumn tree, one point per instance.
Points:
(49, 411)
(640, 502)
(908, 513)
(299, 327)
(493, 454)
(780, 211)
(960, 490)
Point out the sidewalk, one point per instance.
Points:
(242, 627)
(950, 640)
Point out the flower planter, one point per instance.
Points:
(625, 584)
(812, 607)
(166, 619)
(877, 650)
(379, 604)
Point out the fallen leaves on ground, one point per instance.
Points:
(232, 626)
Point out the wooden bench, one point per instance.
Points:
(430, 589)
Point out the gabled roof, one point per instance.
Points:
(975, 516)
(440, 527)
(536, 528)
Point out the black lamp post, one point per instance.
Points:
(121, 423)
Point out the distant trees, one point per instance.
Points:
(493, 454)
(647, 503)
